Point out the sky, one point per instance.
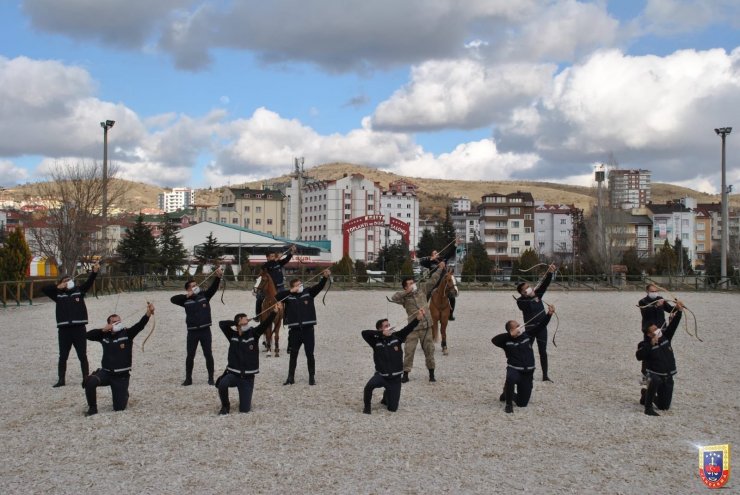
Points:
(214, 92)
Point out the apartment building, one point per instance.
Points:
(262, 210)
(554, 230)
(178, 198)
(629, 188)
(507, 225)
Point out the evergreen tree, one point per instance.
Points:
(172, 254)
(138, 249)
(361, 271)
(683, 263)
(445, 236)
(209, 252)
(343, 267)
(14, 257)
(477, 261)
(392, 258)
(665, 260)
(522, 266)
(631, 260)
(426, 243)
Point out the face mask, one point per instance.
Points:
(196, 290)
(658, 333)
(413, 287)
(653, 295)
(244, 328)
(117, 327)
(70, 284)
(518, 331)
(529, 291)
(300, 288)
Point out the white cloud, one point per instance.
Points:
(672, 17)
(11, 174)
(461, 93)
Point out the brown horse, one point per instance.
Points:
(439, 307)
(267, 286)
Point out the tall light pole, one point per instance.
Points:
(724, 243)
(105, 125)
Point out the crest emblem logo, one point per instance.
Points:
(714, 465)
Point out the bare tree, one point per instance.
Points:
(73, 195)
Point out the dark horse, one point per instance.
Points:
(439, 307)
(267, 286)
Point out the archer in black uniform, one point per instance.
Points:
(388, 357)
(300, 318)
(198, 320)
(517, 344)
(243, 359)
(117, 341)
(656, 351)
(534, 312)
(71, 314)
(652, 309)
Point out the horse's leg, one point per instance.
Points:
(277, 324)
(443, 322)
(268, 341)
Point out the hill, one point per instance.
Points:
(434, 194)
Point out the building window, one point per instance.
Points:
(562, 221)
(408, 215)
(526, 243)
(515, 211)
(246, 208)
(370, 237)
(700, 236)
(527, 230)
(542, 244)
(370, 197)
(235, 220)
(700, 247)
(223, 219)
(515, 224)
(258, 209)
(347, 195)
(528, 216)
(515, 250)
(700, 226)
(269, 221)
(542, 221)
(258, 221)
(514, 237)
(346, 216)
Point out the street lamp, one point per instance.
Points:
(724, 243)
(105, 125)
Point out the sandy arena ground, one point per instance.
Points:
(585, 433)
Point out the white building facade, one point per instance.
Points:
(178, 199)
(553, 226)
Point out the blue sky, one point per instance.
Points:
(213, 92)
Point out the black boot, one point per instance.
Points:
(405, 377)
(188, 381)
(61, 373)
(311, 362)
(509, 397)
(291, 368)
(188, 373)
(91, 410)
(642, 396)
(223, 394)
(431, 376)
(210, 379)
(652, 389)
(543, 365)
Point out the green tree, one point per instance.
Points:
(138, 249)
(209, 252)
(445, 236)
(361, 271)
(14, 257)
(523, 266)
(172, 254)
(343, 267)
(476, 261)
(426, 243)
(665, 260)
(392, 258)
(631, 260)
(682, 258)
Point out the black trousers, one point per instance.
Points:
(244, 384)
(522, 382)
(659, 391)
(202, 337)
(118, 383)
(297, 337)
(541, 339)
(68, 337)
(391, 394)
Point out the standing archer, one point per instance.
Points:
(534, 313)
(431, 263)
(71, 313)
(198, 320)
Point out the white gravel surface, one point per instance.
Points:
(585, 433)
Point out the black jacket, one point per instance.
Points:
(519, 354)
(244, 354)
(71, 310)
(533, 309)
(387, 352)
(275, 269)
(197, 307)
(299, 308)
(659, 358)
(117, 346)
(652, 314)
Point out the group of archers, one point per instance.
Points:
(392, 362)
